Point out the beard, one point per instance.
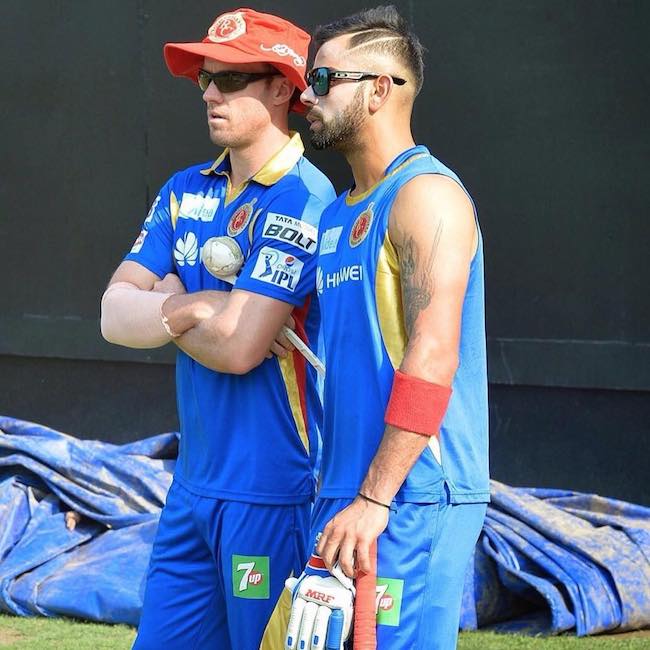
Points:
(342, 131)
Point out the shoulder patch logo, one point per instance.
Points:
(240, 218)
(186, 250)
(137, 244)
(227, 27)
(277, 267)
(151, 212)
(361, 226)
(291, 231)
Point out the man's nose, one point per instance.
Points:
(212, 94)
(307, 97)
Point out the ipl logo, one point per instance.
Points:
(270, 260)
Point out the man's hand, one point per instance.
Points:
(282, 346)
(349, 534)
(315, 596)
(184, 311)
(171, 283)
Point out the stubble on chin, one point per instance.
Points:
(222, 139)
(342, 131)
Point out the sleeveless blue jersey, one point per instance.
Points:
(358, 284)
(249, 437)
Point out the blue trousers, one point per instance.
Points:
(422, 557)
(217, 569)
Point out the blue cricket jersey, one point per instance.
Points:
(358, 283)
(249, 437)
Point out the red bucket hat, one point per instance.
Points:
(246, 36)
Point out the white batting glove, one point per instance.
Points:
(316, 595)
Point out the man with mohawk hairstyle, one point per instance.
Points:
(400, 283)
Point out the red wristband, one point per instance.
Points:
(417, 405)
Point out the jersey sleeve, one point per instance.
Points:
(282, 259)
(153, 247)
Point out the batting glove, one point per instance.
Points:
(321, 608)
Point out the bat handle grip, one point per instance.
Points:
(334, 631)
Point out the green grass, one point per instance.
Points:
(490, 641)
(64, 634)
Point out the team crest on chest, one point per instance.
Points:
(361, 226)
(240, 218)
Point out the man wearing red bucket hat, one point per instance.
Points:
(235, 521)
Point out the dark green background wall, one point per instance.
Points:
(539, 105)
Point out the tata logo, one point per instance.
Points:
(319, 596)
(292, 231)
(352, 273)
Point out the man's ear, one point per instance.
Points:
(381, 89)
(282, 90)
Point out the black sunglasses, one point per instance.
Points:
(228, 81)
(320, 78)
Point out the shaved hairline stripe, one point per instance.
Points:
(374, 42)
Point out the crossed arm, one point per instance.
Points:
(227, 331)
(433, 228)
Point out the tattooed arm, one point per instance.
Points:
(433, 229)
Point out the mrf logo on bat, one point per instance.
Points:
(277, 267)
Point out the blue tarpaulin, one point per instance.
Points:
(547, 561)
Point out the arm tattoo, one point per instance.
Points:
(416, 277)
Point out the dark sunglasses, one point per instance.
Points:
(320, 78)
(229, 82)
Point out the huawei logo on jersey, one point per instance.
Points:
(240, 219)
(186, 250)
(361, 226)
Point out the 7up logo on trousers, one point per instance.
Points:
(250, 576)
(389, 601)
